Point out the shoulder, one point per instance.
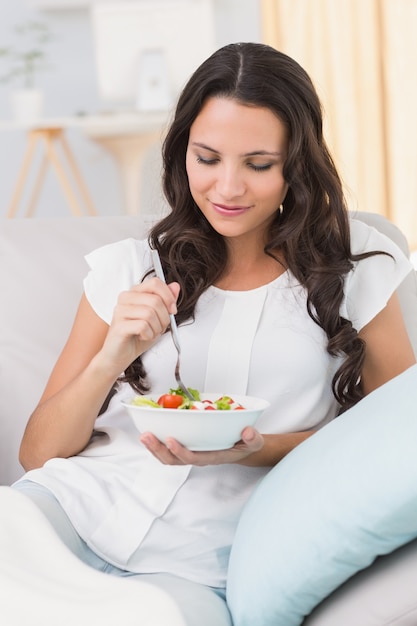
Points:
(376, 233)
(115, 267)
(386, 238)
(369, 222)
(372, 280)
(132, 253)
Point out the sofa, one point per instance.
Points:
(41, 272)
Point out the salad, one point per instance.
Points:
(176, 399)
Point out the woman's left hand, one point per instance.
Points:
(173, 453)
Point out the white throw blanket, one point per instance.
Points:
(43, 584)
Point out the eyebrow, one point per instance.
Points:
(247, 154)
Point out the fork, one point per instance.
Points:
(173, 326)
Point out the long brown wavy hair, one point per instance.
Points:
(313, 230)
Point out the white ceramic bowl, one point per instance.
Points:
(198, 429)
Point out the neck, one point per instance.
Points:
(250, 268)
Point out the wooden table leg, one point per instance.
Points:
(27, 159)
(56, 164)
(129, 152)
(77, 176)
(51, 137)
(37, 188)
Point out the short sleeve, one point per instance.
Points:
(114, 268)
(373, 280)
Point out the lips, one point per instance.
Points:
(234, 210)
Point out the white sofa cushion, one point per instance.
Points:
(380, 595)
(42, 267)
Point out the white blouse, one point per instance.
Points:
(144, 516)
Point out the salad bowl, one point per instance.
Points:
(200, 427)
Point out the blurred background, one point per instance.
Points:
(104, 76)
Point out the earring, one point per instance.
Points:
(281, 208)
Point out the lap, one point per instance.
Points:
(198, 604)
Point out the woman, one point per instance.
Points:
(274, 290)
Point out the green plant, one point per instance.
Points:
(28, 56)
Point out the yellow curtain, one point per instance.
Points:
(362, 57)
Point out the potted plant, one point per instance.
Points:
(23, 62)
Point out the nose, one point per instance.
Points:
(230, 182)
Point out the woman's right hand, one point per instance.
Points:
(141, 315)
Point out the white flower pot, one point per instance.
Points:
(27, 105)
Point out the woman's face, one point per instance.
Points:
(234, 163)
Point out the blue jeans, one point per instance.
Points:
(201, 605)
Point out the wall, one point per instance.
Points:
(70, 89)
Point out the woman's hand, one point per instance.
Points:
(254, 449)
(140, 317)
(173, 453)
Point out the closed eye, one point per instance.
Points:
(206, 161)
(252, 166)
(260, 168)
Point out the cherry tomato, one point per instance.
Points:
(170, 401)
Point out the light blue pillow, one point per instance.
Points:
(328, 509)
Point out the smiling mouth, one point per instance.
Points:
(229, 210)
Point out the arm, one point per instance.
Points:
(93, 358)
(388, 348)
(388, 353)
